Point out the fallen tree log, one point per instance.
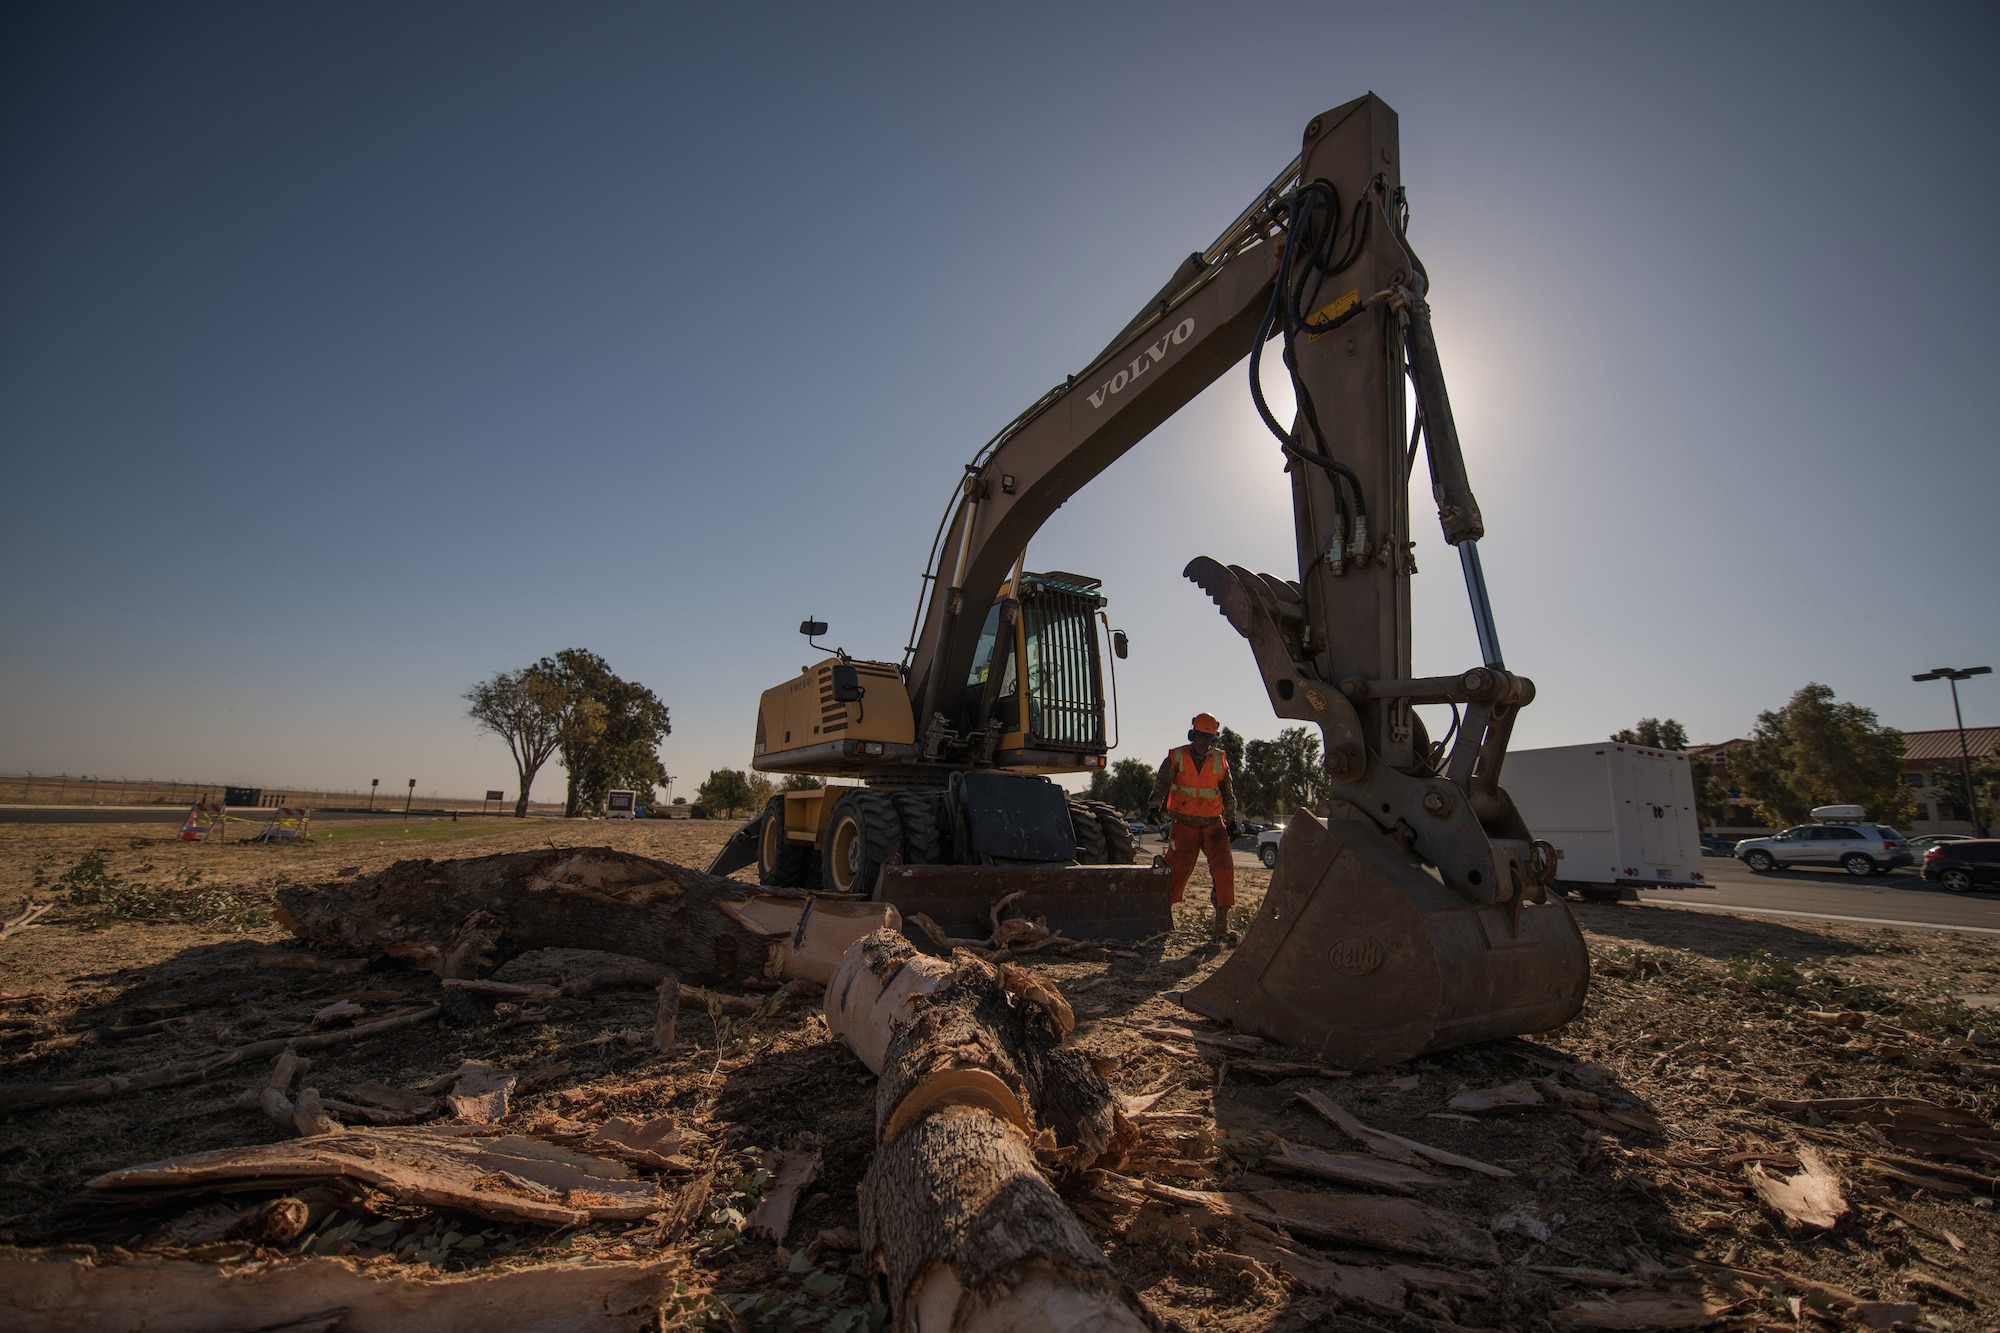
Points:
(458, 918)
(960, 1230)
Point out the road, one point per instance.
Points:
(1901, 898)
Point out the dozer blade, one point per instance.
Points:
(1082, 902)
(1362, 955)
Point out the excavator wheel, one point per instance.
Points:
(1119, 849)
(1089, 834)
(783, 864)
(922, 844)
(860, 838)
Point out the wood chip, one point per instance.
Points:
(1507, 1097)
(1393, 1146)
(1639, 1311)
(1375, 1289)
(1590, 1277)
(1937, 1286)
(479, 1096)
(1810, 1200)
(310, 1117)
(791, 1171)
(654, 1143)
(509, 1178)
(337, 1011)
(1349, 1168)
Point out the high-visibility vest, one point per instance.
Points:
(1194, 792)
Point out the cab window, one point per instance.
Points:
(982, 656)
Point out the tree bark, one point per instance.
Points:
(460, 918)
(960, 1229)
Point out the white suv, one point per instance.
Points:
(1857, 848)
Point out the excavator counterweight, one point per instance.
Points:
(1410, 911)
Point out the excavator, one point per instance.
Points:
(1409, 913)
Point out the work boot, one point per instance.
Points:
(1218, 928)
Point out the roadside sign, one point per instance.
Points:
(496, 795)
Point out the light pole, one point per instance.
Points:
(408, 796)
(1955, 675)
(373, 783)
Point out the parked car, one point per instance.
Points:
(1964, 864)
(1918, 846)
(1267, 846)
(1859, 849)
(1714, 844)
(1138, 828)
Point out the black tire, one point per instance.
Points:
(1955, 880)
(1119, 849)
(1089, 834)
(1268, 854)
(782, 864)
(923, 845)
(861, 836)
(1856, 864)
(1599, 895)
(1761, 861)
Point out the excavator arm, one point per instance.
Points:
(1199, 325)
(1411, 913)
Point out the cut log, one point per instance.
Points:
(511, 1178)
(49, 1293)
(959, 1229)
(961, 1232)
(791, 1171)
(816, 932)
(1810, 1200)
(667, 1014)
(1392, 1146)
(453, 916)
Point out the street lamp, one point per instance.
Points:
(373, 783)
(1955, 675)
(407, 796)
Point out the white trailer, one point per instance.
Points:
(621, 805)
(1622, 817)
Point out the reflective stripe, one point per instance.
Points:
(1185, 796)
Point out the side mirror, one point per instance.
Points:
(846, 680)
(812, 629)
(1120, 645)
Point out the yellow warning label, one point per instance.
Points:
(1326, 314)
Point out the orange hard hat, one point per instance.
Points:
(1206, 722)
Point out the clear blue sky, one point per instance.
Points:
(349, 353)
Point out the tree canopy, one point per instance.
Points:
(608, 730)
(1126, 785)
(1278, 776)
(1818, 751)
(1654, 734)
(727, 791)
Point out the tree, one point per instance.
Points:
(1126, 785)
(1818, 751)
(610, 733)
(526, 709)
(802, 782)
(1654, 734)
(727, 790)
(1279, 776)
(1949, 783)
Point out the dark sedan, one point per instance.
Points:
(1973, 863)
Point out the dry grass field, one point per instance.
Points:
(1639, 1182)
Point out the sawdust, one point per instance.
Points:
(1702, 1024)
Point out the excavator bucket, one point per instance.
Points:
(1361, 954)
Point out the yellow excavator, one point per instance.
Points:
(1411, 912)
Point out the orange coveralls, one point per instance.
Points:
(1198, 796)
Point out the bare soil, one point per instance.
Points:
(1697, 1020)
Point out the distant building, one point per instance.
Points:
(1925, 755)
(1928, 753)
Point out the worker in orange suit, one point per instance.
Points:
(1194, 788)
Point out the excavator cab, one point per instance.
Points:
(1037, 676)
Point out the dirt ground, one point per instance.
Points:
(1695, 1025)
